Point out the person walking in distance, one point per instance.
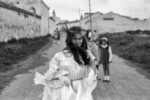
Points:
(94, 36)
(105, 58)
(57, 32)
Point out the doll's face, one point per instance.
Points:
(77, 40)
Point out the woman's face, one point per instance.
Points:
(77, 40)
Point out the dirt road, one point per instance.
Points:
(128, 82)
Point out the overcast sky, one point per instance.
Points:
(69, 9)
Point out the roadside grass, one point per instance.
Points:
(15, 51)
(131, 47)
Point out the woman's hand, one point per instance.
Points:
(94, 65)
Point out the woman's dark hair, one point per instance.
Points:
(79, 53)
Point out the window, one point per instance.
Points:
(33, 10)
(109, 19)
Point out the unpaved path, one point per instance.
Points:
(128, 82)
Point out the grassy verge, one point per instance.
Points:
(131, 46)
(15, 51)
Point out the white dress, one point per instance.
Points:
(64, 69)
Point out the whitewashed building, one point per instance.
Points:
(112, 22)
(24, 22)
(39, 8)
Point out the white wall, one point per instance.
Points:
(17, 26)
(52, 26)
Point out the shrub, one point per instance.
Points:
(15, 50)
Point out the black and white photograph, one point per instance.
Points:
(74, 49)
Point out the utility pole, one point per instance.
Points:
(79, 13)
(90, 16)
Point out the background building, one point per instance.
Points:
(52, 25)
(23, 18)
(109, 22)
